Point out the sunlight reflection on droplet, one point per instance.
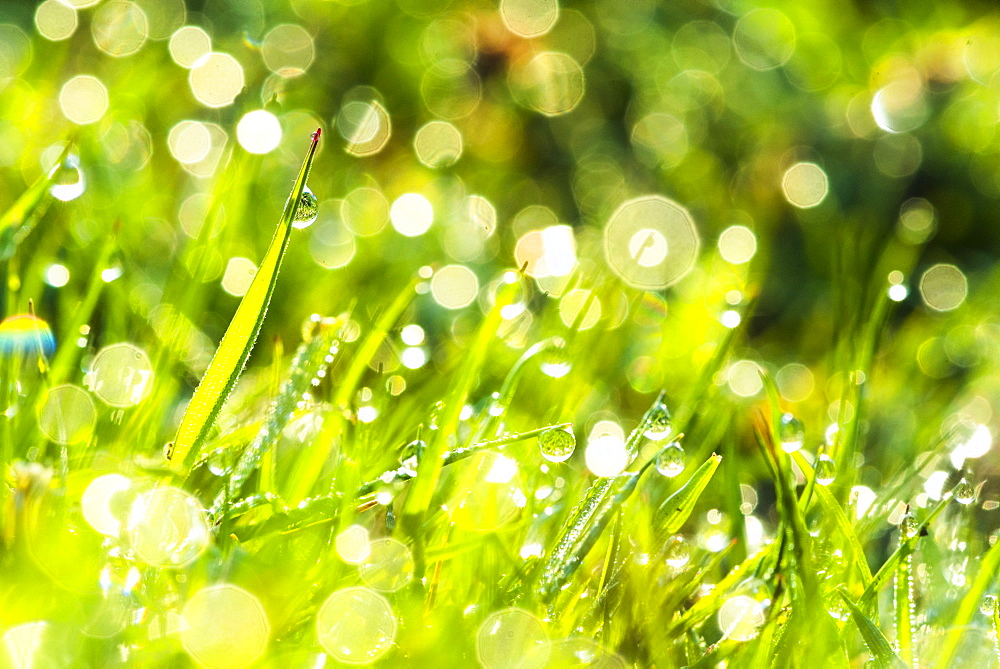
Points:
(188, 45)
(505, 638)
(943, 287)
(356, 626)
(411, 214)
(741, 617)
(353, 545)
(167, 527)
(119, 28)
(120, 375)
(744, 378)
(646, 260)
(454, 286)
(216, 79)
(225, 626)
(551, 83)
(438, 144)
(67, 414)
(97, 503)
(288, 50)
(571, 308)
(805, 185)
(189, 141)
(83, 99)
(238, 276)
(606, 455)
(55, 20)
(388, 566)
(764, 39)
(259, 131)
(529, 18)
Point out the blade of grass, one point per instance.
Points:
(879, 646)
(970, 605)
(240, 336)
(310, 463)
(20, 218)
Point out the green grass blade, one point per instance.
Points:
(240, 336)
(310, 463)
(677, 508)
(879, 646)
(19, 219)
(970, 605)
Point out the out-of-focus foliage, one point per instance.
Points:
(522, 214)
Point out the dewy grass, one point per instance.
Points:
(472, 422)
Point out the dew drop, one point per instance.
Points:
(306, 211)
(826, 470)
(658, 422)
(69, 182)
(670, 461)
(220, 462)
(792, 433)
(964, 493)
(679, 553)
(988, 605)
(557, 445)
(556, 363)
(909, 525)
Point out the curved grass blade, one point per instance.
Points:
(233, 351)
(677, 508)
(879, 646)
(20, 218)
(970, 605)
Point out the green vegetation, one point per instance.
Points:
(580, 334)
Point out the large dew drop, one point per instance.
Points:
(964, 493)
(670, 461)
(306, 211)
(826, 470)
(506, 638)
(792, 433)
(988, 605)
(356, 625)
(557, 445)
(658, 424)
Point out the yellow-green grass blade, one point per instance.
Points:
(970, 605)
(238, 341)
(879, 646)
(19, 219)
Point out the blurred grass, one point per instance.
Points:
(896, 105)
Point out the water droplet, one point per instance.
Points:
(792, 433)
(909, 525)
(555, 363)
(306, 211)
(964, 493)
(220, 461)
(988, 605)
(826, 470)
(741, 617)
(678, 553)
(69, 182)
(557, 445)
(658, 423)
(670, 461)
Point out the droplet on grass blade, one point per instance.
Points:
(792, 433)
(557, 445)
(964, 493)
(69, 182)
(306, 211)
(988, 605)
(658, 426)
(741, 617)
(909, 526)
(506, 638)
(826, 470)
(220, 462)
(670, 461)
